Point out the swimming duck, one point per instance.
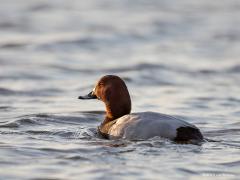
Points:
(119, 122)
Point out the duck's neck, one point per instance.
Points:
(113, 112)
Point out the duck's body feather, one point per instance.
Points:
(145, 125)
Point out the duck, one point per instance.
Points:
(120, 123)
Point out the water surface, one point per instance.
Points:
(177, 57)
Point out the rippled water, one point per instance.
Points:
(177, 57)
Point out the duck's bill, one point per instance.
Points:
(91, 95)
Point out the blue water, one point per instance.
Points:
(176, 57)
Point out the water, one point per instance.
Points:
(177, 57)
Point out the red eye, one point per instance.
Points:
(100, 84)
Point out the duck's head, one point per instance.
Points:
(114, 93)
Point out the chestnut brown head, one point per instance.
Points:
(113, 92)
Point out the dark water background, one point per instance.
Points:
(177, 57)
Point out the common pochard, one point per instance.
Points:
(119, 122)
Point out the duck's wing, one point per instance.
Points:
(146, 125)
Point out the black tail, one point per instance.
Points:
(185, 134)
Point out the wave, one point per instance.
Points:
(38, 92)
(79, 118)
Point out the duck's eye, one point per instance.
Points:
(100, 84)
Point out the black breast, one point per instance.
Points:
(188, 133)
